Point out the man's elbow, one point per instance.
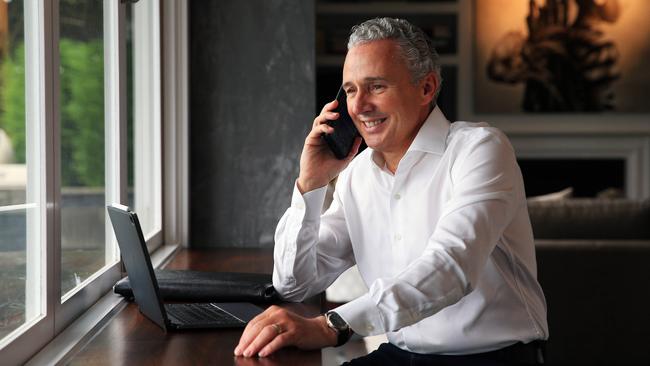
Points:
(289, 290)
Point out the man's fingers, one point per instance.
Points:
(329, 106)
(322, 119)
(267, 334)
(314, 136)
(250, 332)
(327, 113)
(275, 344)
(331, 115)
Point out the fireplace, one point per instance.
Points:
(589, 164)
(587, 177)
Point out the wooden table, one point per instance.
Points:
(131, 339)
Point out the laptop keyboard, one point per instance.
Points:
(200, 313)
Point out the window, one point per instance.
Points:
(21, 257)
(80, 127)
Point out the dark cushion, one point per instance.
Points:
(586, 218)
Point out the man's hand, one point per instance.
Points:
(276, 328)
(318, 165)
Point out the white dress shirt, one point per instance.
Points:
(444, 245)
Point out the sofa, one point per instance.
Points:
(593, 258)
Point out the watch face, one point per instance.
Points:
(342, 328)
(337, 321)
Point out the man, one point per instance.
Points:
(434, 215)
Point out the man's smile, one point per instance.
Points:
(373, 124)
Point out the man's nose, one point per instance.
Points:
(360, 103)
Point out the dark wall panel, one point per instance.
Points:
(252, 96)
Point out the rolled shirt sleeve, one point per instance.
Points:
(311, 250)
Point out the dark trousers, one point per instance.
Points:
(517, 354)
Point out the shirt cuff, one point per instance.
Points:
(311, 202)
(362, 315)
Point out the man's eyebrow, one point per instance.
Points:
(367, 80)
(376, 78)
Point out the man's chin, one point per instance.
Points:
(373, 143)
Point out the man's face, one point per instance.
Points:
(386, 107)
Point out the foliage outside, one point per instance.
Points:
(82, 109)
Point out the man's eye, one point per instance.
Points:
(377, 87)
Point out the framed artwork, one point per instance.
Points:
(561, 56)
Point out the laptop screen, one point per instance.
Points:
(138, 263)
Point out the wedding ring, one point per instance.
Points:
(277, 328)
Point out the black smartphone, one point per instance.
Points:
(341, 140)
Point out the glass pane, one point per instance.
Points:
(20, 245)
(83, 249)
(12, 270)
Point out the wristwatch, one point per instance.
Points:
(342, 329)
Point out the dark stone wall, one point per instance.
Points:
(252, 102)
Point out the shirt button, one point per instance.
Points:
(397, 196)
(398, 237)
(370, 328)
(300, 205)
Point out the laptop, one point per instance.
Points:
(145, 286)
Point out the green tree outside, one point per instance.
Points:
(82, 109)
(12, 97)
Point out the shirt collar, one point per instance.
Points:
(432, 137)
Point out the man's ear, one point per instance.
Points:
(429, 84)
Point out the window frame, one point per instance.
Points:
(39, 107)
(148, 109)
(175, 149)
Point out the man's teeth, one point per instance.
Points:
(373, 123)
